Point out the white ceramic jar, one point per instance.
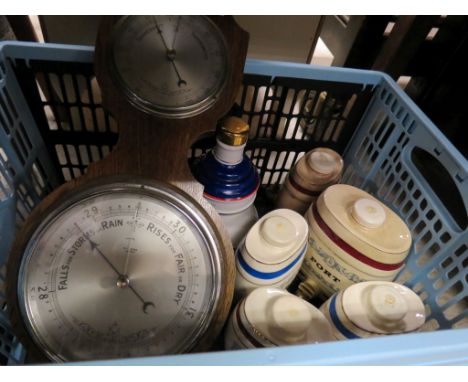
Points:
(272, 252)
(274, 317)
(353, 237)
(374, 308)
(314, 172)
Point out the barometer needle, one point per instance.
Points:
(170, 54)
(95, 246)
(160, 34)
(181, 82)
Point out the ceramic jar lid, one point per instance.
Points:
(383, 307)
(318, 167)
(363, 222)
(323, 162)
(276, 237)
(285, 319)
(368, 212)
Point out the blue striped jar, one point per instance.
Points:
(270, 317)
(230, 179)
(374, 308)
(272, 252)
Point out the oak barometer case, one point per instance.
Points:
(129, 260)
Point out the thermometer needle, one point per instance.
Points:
(121, 278)
(170, 54)
(175, 32)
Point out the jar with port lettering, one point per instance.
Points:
(353, 237)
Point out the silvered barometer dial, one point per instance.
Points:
(173, 66)
(129, 260)
(119, 270)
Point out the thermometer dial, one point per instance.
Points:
(172, 66)
(119, 270)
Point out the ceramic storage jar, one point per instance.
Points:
(315, 171)
(353, 237)
(272, 252)
(374, 308)
(273, 317)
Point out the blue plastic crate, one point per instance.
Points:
(391, 149)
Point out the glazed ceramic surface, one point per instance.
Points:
(272, 252)
(274, 317)
(230, 179)
(374, 308)
(353, 238)
(314, 172)
(238, 224)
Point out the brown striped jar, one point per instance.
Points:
(315, 171)
(353, 237)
